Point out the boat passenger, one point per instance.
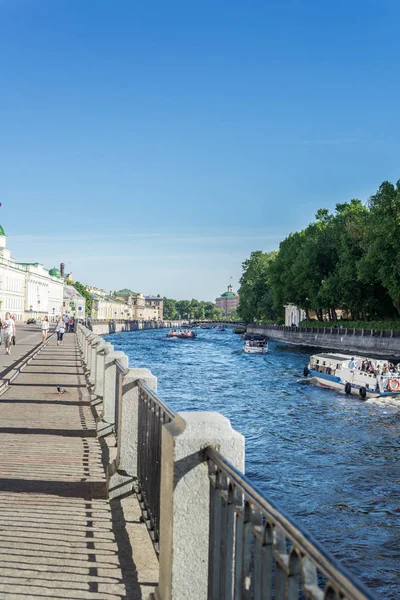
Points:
(352, 364)
(372, 368)
(378, 370)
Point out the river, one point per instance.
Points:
(330, 460)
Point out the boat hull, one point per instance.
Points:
(336, 383)
(255, 350)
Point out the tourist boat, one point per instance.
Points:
(356, 375)
(239, 330)
(259, 346)
(184, 334)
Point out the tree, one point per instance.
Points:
(83, 292)
(169, 311)
(256, 297)
(381, 241)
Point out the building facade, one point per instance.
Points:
(156, 302)
(293, 315)
(74, 303)
(28, 289)
(228, 301)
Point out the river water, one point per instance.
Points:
(330, 460)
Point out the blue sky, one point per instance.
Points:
(154, 145)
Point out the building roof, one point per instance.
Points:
(2, 231)
(230, 294)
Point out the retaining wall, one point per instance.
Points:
(105, 327)
(364, 341)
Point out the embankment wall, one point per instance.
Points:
(106, 327)
(364, 341)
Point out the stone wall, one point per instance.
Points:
(105, 327)
(364, 341)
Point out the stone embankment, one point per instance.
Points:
(379, 342)
(104, 327)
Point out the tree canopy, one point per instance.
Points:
(348, 260)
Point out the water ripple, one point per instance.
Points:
(330, 460)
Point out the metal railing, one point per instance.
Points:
(257, 551)
(153, 414)
(334, 330)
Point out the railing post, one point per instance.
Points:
(106, 425)
(185, 506)
(94, 342)
(102, 349)
(124, 468)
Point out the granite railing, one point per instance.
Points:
(217, 537)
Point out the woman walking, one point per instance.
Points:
(60, 328)
(9, 332)
(45, 328)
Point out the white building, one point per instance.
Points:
(74, 303)
(293, 315)
(28, 289)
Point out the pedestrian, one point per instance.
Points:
(70, 325)
(15, 331)
(60, 328)
(1, 331)
(9, 331)
(45, 328)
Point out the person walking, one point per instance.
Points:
(1, 331)
(60, 329)
(45, 328)
(9, 332)
(14, 339)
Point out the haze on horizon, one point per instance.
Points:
(155, 145)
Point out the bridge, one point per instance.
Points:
(106, 493)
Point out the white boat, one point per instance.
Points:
(256, 346)
(358, 375)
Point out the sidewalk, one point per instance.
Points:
(60, 537)
(28, 336)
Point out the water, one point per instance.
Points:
(330, 460)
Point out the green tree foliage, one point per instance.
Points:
(190, 309)
(170, 311)
(256, 298)
(83, 292)
(347, 261)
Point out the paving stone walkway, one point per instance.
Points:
(57, 538)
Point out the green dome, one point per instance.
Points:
(2, 231)
(230, 294)
(55, 272)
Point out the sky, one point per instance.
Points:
(154, 145)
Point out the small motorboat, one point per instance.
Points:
(183, 334)
(240, 330)
(256, 346)
(220, 328)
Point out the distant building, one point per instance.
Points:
(74, 303)
(228, 301)
(28, 289)
(156, 302)
(140, 310)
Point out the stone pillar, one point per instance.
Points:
(128, 418)
(185, 506)
(123, 471)
(110, 373)
(95, 341)
(102, 349)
